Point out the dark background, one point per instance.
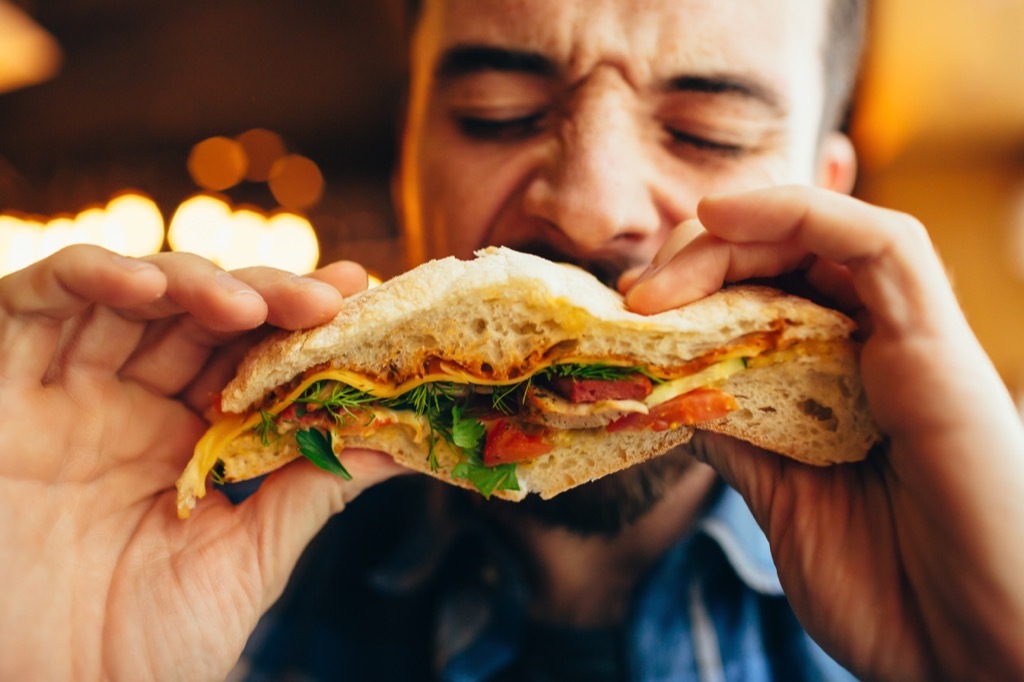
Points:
(142, 81)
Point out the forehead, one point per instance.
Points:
(648, 40)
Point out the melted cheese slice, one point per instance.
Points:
(192, 482)
(720, 371)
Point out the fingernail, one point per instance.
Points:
(645, 274)
(233, 285)
(637, 290)
(311, 283)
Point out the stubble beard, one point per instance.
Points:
(605, 507)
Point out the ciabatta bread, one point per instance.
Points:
(504, 315)
(504, 312)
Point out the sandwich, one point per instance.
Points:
(510, 374)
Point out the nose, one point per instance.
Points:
(596, 185)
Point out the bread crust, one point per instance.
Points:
(504, 312)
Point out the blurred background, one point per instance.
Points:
(238, 128)
(265, 131)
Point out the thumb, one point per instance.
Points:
(293, 504)
(755, 473)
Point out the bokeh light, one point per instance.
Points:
(134, 225)
(19, 238)
(195, 226)
(236, 238)
(296, 182)
(217, 163)
(262, 148)
(130, 224)
(206, 224)
(293, 241)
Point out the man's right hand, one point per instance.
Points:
(907, 565)
(106, 364)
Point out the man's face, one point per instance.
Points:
(586, 129)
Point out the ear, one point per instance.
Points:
(837, 163)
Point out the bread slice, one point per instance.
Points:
(587, 455)
(504, 315)
(810, 408)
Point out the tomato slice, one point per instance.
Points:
(508, 442)
(701, 405)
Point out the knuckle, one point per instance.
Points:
(909, 230)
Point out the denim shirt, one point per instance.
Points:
(450, 604)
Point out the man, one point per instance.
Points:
(670, 145)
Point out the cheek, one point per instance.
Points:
(467, 191)
(454, 212)
(767, 171)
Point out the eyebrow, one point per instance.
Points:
(462, 60)
(728, 84)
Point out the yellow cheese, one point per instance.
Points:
(710, 375)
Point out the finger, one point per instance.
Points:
(893, 266)
(293, 302)
(171, 353)
(166, 353)
(171, 358)
(295, 502)
(36, 301)
(203, 392)
(346, 276)
(204, 307)
(680, 236)
(198, 287)
(751, 471)
(835, 282)
(93, 345)
(704, 265)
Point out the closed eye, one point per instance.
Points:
(500, 129)
(705, 144)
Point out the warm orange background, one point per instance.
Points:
(940, 129)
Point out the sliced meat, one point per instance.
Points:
(545, 407)
(634, 387)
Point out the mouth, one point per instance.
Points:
(607, 268)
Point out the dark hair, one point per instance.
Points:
(845, 33)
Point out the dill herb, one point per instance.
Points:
(598, 371)
(502, 396)
(343, 402)
(267, 428)
(433, 401)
